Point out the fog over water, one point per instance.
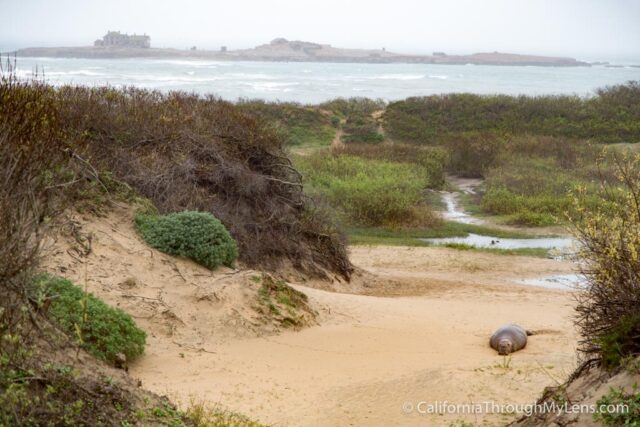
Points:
(591, 30)
(585, 29)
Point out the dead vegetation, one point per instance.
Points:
(186, 152)
(45, 378)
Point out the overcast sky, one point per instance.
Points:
(578, 28)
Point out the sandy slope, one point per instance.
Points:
(414, 327)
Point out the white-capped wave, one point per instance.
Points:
(271, 86)
(198, 63)
(180, 79)
(397, 77)
(438, 76)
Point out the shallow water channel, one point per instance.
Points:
(559, 247)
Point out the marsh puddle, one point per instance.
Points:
(563, 244)
(560, 281)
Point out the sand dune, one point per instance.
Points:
(414, 327)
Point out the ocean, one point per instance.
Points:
(318, 82)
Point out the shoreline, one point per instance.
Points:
(353, 56)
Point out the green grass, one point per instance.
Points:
(305, 137)
(367, 192)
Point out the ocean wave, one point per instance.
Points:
(251, 76)
(198, 63)
(271, 86)
(167, 78)
(397, 77)
(83, 72)
(438, 76)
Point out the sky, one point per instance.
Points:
(588, 29)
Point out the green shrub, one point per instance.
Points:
(196, 235)
(362, 135)
(609, 235)
(626, 408)
(356, 106)
(611, 116)
(102, 330)
(532, 219)
(621, 341)
(471, 154)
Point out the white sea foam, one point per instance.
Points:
(84, 72)
(189, 78)
(190, 63)
(397, 77)
(271, 86)
(438, 76)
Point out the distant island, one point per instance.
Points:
(118, 45)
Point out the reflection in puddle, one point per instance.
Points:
(561, 281)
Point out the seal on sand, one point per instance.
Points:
(509, 338)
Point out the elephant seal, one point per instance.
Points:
(508, 339)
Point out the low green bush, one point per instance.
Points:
(471, 154)
(196, 235)
(611, 116)
(346, 107)
(532, 219)
(299, 136)
(621, 341)
(102, 330)
(362, 135)
(618, 408)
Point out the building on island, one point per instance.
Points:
(118, 39)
